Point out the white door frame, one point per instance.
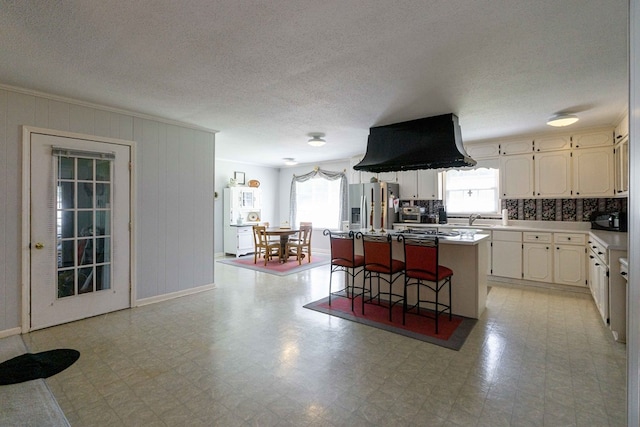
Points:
(26, 213)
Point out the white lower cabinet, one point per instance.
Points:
(569, 259)
(238, 240)
(540, 256)
(537, 257)
(506, 255)
(599, 285)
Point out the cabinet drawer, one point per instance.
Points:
(507, 236)
(529, 237)
(569, 238)
(243, 230)
(599, 250)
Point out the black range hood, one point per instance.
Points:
(428, 143)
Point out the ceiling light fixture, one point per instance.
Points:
(317, 139)
(290, 161)
(562, 119)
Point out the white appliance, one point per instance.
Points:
(361, 208)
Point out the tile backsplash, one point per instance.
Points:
(561, 209)
(545, 209)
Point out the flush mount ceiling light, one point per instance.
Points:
(562, 119)
(317, 139)
(290, 161)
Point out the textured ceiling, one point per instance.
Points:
(265, 73)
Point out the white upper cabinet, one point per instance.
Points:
(593, 174)
(428, 184)
(387, 177)
(553, 174)
(420, 184)
(552, 143)
(621, 168)
(483, 150)
(622, 129)
(408, 183)
(508, 148)
(592, 139)
(516, 176)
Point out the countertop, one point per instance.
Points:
(451, 240)
(612, 240)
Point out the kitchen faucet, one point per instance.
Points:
(472, 218)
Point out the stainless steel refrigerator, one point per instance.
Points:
(360, 196)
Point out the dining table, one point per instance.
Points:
(284, 234)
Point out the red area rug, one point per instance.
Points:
(276, 267)
(451, 334)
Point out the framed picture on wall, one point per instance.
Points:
(239, 177)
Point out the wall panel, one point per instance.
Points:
(174, 189)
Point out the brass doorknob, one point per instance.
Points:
(39, 245)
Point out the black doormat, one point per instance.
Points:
(31, 366)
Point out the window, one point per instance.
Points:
(318, 201)
(472, 191)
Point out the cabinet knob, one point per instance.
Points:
(597, 264)
(623, 273)
(568, 238)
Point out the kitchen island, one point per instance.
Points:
(467, 257)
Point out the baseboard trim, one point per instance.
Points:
(165, 297)
(10, 332)
(532, 284)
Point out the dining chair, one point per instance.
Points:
(422, 269)
(263, 246)
(301, 245)
(380, 264)
(344, 258)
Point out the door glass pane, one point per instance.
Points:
(66, 254)
(103, 195)
(85, 169)
(65, 195)
(83, 212)
(103, 250)
(85, 251)
(66, 224)
(85, 280)
(85, 223)
(103, 277)
(85, 195)
(65, 167)
(103, 170)
(103, 223)
(66, 283)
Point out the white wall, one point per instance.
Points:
(269, 184)
(174, 188)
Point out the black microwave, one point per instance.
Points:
(611, 221)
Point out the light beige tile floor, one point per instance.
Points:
(248, 354)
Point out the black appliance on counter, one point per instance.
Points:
(610, 221)
(442, 216)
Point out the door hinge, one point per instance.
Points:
(129, 226)
(607, 273)
(130, 166)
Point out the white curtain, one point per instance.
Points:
(329, 175)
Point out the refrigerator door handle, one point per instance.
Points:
(363, 209)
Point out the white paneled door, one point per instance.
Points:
(79, 235)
